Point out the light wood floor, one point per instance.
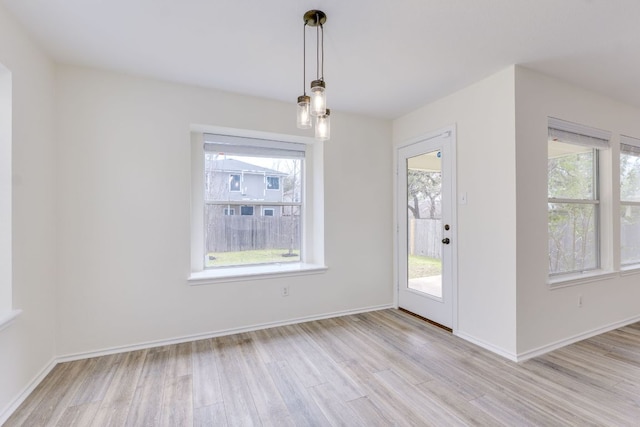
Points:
(380, 368)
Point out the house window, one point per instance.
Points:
(234, 182)
(574, 203)
(229, 211)
(273, 183)
(629, 201)
(268, 211)
(246, 210)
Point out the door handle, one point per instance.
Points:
(446, 241)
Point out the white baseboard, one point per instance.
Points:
(10, 409)
(520, 357)
(232, 331)
(487, 346)
(579, 337)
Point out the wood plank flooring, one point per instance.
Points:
(375, 369)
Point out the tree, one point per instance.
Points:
(423, 185)
(630, 177)
(630, 193)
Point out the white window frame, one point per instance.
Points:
(273, 211)
(7, 313)
(229, 211)
(313, 213)
(589, 136)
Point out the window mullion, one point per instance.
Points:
(576, 201)
(250, 203)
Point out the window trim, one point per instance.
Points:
(273, 211)
(8, 313)
(8, 317)
(313, 261)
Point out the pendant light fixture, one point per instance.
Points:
(323, 126)
(314, 106)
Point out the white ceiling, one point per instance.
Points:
(384, 58)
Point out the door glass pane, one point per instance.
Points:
(424, 223)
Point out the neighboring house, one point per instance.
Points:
(235, 181)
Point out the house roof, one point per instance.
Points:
(382, 58)
(233, 165)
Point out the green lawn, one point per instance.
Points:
(419, 266)
(422, 266)
(250, 257)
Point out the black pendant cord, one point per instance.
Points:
(304, 59)
(318, 52)
(322, 50)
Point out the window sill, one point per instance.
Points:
(580, 278)
(7, 317)
(236, 274)
(630, 270)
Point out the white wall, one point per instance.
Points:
(123, 214)
(547, 316)
(27, 345)
(484, 117)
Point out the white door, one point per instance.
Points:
(426, 228)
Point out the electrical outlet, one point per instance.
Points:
(284, 291)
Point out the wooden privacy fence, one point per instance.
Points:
(231, 233)
(425, 237)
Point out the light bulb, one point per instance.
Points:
(318, 98)
(323, 126)
(304, 117)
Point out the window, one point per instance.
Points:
(7, 312)
(290, 242)
(246, 210)
(249, 239)
(5, 191)
(629, 201)
(273, 183)
(234, 182)
(574, 204)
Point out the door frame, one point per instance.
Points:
(454, 216)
